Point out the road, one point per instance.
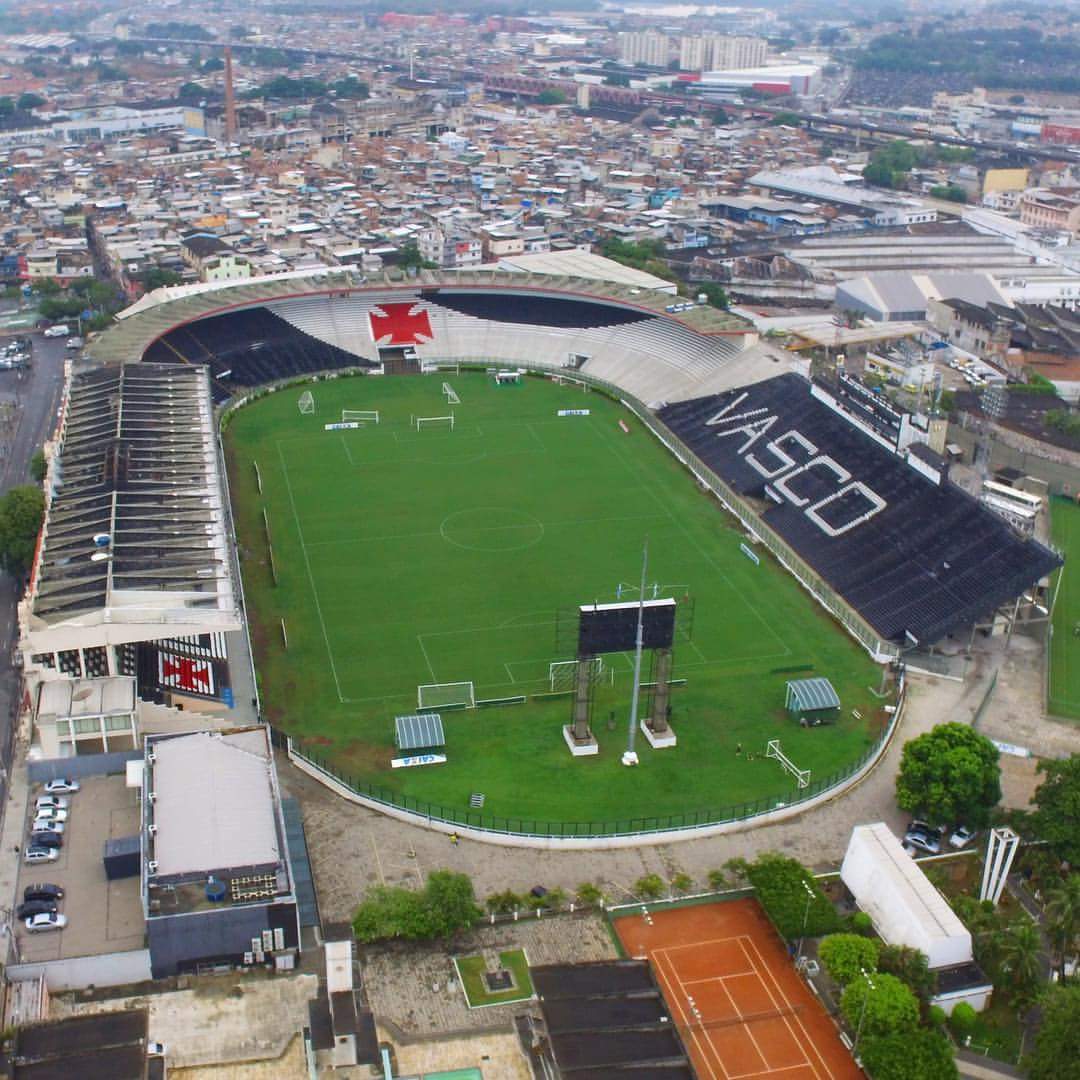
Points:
(35, 393)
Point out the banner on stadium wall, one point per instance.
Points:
(574, 412)
(183, 673)
(340, 427)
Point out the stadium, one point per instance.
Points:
(420, 525)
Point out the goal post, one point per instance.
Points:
(306, 404)
(363, 416)
(419, 422)
(562, 674)
(446, 696)
(450, 394)
(772, 750)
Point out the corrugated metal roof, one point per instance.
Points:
(418, 732)
(808, 695)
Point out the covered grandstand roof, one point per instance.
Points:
(161, 310)
(917, 560)
(810, 695)
(136, 532)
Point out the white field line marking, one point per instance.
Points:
(311, 578)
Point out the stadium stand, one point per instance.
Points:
(249, 347)
(917, 560)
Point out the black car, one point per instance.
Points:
(35, 907)
(43, 891)
(46, 839)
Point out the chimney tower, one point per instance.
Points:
(230, 99)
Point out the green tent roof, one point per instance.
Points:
(810, 695)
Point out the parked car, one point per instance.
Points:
(61, 786)
(74, 343)
(51, 802)
(49, 813)
(36, 853)
(45, 825)
(48, 921)
(29, 908)
(43, 891)
(44, 838)
(60, 330)
(962, 836)
(921, 840)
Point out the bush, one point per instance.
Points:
(682, 883)
(910, 966)
(445, 906)
(861, 923)
(649, 887)
(938, 1016)
(589, 893)
(504, 903)
(780, 884)
(38, 465)
(963, 1020)
(887, 1007)
(845, 955)
(718, 881)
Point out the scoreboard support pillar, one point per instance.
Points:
(656, 728)
(579, 738)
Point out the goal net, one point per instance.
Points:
(562, 674)
(772, 750)
(446, 695)
(306, 404)
(420, 422)
(363, 416)
(450, 394)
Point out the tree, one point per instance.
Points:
(682, 883)
(786, 118)
(950, 192)
(551, 97)
(1063, 918)
(846, 955)
(912, 1055)
(47, 286)
(1057, 807)
(910, 966)
(410, 256)
(504, 903)
(714, 294)
(22, 511)
(1020, 953)
(38, 465)
(963, 1020)
(157, 277)
(781, 885)
(1057, 1041)
(879, 1005)
(450, 903)
(29, 101)
(720, 116)
(950, 773)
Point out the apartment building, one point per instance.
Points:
(648, 48)
(720, 52)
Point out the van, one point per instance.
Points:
(61, 330)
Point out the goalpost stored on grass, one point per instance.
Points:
(420, 421)
(450, 394)
(772, 750)
(306, 404)
(363, 416)
(446, 696)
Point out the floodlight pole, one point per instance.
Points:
(630, 758)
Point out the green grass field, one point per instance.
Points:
(1064, 692)
(471, 971)
(411, 557)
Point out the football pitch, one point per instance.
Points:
(1063, 698)
(406, 557)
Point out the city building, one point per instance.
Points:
(721, 52)
(647, 48)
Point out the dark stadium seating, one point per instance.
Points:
(534, 310)
(247, 348)
(931, 561)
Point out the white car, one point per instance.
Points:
(49, 813)
(61, 786)
(58, 331)
(962, 836)
(49, 920)
(50, 802)
(45, 826)
(36, 854)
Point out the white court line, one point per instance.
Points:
(311, 578)
(678, 1002)
(511, 674)
(764, 971)
(713, 978)
(420, 642)
(347, 454)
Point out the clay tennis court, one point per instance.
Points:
(741, 1008)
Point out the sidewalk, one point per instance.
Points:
(13, 836)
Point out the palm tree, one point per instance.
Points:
(1020, 950)
(1063, 919)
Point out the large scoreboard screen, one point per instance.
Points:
(606, 628)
